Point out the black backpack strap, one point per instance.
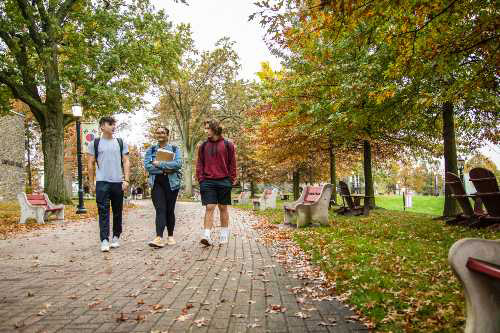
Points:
(120, 143)
(96, 150)
(226, 145)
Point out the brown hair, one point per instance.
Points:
(214, 126)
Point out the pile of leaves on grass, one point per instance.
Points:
(391, 267)
(10, 213)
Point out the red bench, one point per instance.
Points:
(311, 206)
(267, 200)
(484, 267)
(39, 207)
(476, 263)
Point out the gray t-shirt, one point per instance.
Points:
(109, 165)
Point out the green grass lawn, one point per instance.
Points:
(392, 265)
(421, 204)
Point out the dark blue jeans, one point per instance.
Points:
(106, 192)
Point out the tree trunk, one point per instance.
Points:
(253, 189)
(367, 165)
(296, 184)
(333, 173)
(450, 157)
(188, 178)
(28, 153)
(53, 157)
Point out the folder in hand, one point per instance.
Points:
(163, 155)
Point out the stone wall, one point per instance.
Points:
(12, 168)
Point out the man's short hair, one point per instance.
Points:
(107, 120)
(214, 126)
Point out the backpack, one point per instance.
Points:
(96, 149)
(202, 151)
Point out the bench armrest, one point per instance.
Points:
(50, 204)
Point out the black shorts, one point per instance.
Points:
(216, 191)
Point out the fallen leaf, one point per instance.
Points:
(122, 317)
(322, 323)
(157, 306)
(275, 308)
(302, 315)
(184, 317)
(238, 315)
(94, 304)
(201, 322)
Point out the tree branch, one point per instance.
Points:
(21, 93)
(43, 16)
(24, 7)
(64, 9)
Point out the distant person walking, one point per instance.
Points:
(216, 173)
(111, 179)
(165, 181)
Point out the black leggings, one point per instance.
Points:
(164, 201)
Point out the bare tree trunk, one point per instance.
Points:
(189, 168)
(450, 157)
(28, 153)
(253, 189)
(53, 158)
(296, 184)
(367, 165)
(333, 173)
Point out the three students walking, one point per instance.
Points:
(215, 171)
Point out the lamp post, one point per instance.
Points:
(461, 163)
(77, 113)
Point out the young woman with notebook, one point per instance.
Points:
(163, 162)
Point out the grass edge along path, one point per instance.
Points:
(391, 266)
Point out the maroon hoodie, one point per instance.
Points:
(214, 163)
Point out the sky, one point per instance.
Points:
(211, 20)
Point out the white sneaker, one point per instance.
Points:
(224, 236)
(205, 239)
(115, 243)
(105, 246)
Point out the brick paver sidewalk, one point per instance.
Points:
(58, 281)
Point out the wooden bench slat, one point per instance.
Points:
(484, 267)
(35, 197)
(38, 202)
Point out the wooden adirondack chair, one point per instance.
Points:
(353, 202)
(487, 189)
(468, 215)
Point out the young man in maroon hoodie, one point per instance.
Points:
(216, 173)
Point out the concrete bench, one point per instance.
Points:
(243, 198)
(476, 263)
(311, 206)
(39, 207)
(266, 201)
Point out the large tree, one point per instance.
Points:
(100, 54)
(198, 93)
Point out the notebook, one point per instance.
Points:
(164, 155)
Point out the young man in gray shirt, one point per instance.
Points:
(111, 179)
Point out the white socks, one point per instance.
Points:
(224, 235)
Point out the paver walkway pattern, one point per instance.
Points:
(57, 280)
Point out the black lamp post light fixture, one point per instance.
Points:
(77, 113)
